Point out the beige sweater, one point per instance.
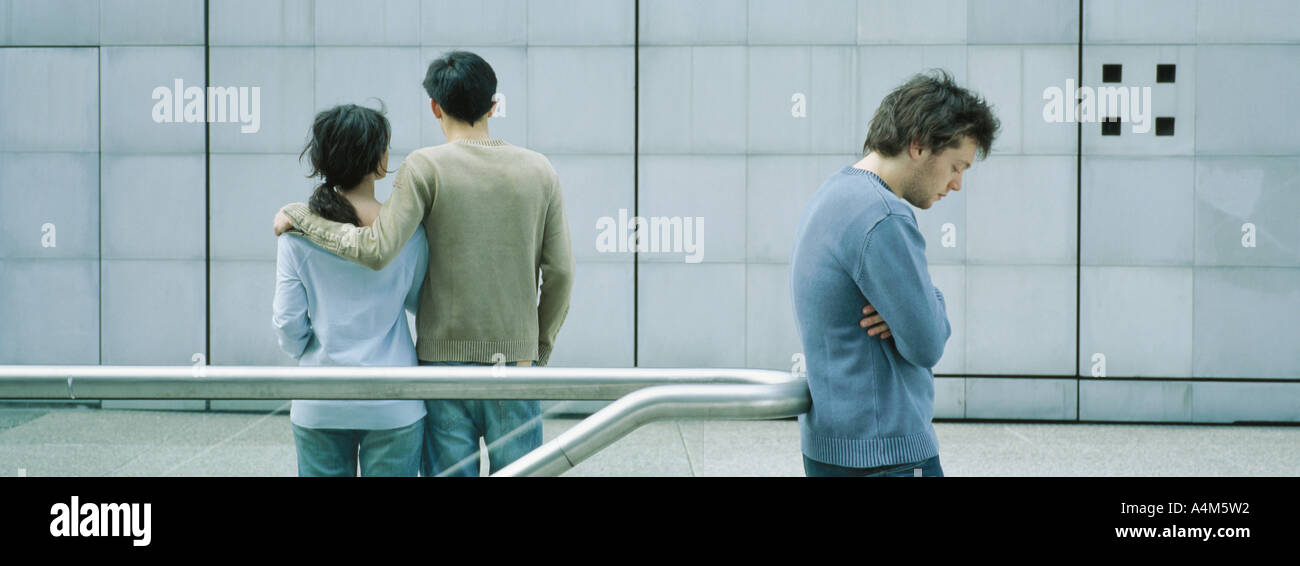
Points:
(494, 216)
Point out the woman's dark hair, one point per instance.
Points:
(347, 143)
(463, 84)
(933, 110)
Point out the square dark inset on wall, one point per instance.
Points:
(1164, 125)
(1165, 72)
(1112, 73)
(1110, 126)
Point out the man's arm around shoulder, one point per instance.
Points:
(374, 246)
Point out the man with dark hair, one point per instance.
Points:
(463, 84)
(858, 244)
(494, 217)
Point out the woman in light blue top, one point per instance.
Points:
(332, 312)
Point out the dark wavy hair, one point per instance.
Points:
(463, 84)
(932, 109)
(347, 143)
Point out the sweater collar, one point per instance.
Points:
(482, 143)
(851, 170)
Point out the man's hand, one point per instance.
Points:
(875, 322)
(282, 222)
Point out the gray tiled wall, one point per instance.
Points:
(593, 119)
(1015, 222)
(57, 301)
(1167, 287)
(55, 88)
(151, 22)
(152, 294)
(1144, 232)
(49, 189)
(1168, 211)
(50, 22)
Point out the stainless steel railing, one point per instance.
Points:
(643, 395)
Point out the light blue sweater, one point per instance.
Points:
(329, 311)
(872, 399)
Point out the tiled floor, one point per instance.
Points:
(93, 442)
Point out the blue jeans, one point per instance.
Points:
(335, 452)
(453, 427)
(927, 468)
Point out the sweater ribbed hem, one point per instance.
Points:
(480, 351)
(869, 452)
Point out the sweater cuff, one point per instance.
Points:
(297, 212)
(543, 354)
(341, 242)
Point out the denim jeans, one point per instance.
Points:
(453, 427)
(926, 468)
(333, 452)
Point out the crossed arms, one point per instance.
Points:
(892, 274)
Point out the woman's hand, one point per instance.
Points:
(875, 322)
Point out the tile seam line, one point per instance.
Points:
(207, 203)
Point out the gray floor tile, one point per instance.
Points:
(652, 450)
(15, 417)
(743, 448)
(232, 460)
(50, 460)
(81, 442)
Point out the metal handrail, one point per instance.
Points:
(702, 402)
(643, 395)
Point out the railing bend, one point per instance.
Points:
(642, 395)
